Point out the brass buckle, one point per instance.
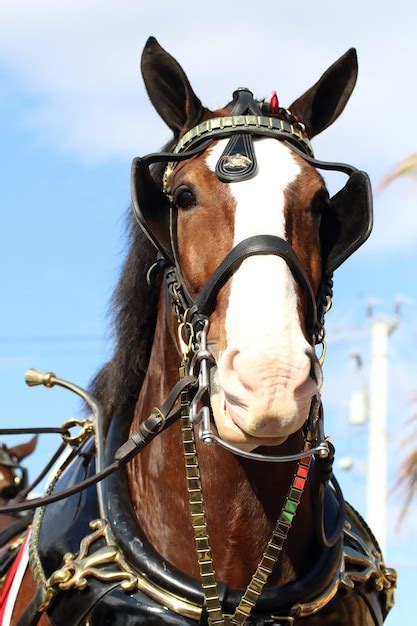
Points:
(328, 304)
(185, 345)
(86, 428)
(323, 354)
(157, 411)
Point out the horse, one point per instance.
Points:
(13, 476)
(13, 482)
(230, 514)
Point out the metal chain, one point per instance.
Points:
(275, 544)
(198, 518)
(324, 305)
(201, 535)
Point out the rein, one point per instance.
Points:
(156, 423)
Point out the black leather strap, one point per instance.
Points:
(18, 526)
(49, 465)
(319, 500)
(35, 431)
(244, 103)
(72, 608)
(252, 246)
(156, 423)
(324, 165)
(151, 427)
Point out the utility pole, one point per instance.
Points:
(381, 329)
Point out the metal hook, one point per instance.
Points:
(86, 428)
(185, 345)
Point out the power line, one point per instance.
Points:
(52, 339)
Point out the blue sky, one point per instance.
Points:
(73, 113)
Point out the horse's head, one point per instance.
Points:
(243, 185)
(13, 477)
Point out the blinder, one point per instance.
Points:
(348, 219)
(19, 473)
(151, 205)
(348, 223)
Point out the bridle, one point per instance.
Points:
(245, 122)
(151, 203)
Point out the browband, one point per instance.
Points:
(220, 127)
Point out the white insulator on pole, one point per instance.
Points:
(345, 463)
(377, 443)
(358, 406)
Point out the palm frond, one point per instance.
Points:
(408, 167)
(407, 477)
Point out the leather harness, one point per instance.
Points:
(347, 568)
(98, 547)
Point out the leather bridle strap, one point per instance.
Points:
(349, 170)
(158, 421)
(205, 302)
(35, 431)
(323, 476)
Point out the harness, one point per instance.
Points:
(127, 580)
(112, 555)
(349, 213)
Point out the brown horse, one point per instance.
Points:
(13, 477)
(13, 481)
(248, 239)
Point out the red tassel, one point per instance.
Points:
(274, 102)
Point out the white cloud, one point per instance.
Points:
(79, 63)
(82, 58)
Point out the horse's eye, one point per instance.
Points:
(184, 198)
(320, 202)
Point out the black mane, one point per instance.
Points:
(117, 384)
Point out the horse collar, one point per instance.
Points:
(122, 557)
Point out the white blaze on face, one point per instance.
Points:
(263, 375)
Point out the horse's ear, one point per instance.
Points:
(24, 449)
(322, 104)
(169, 88)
